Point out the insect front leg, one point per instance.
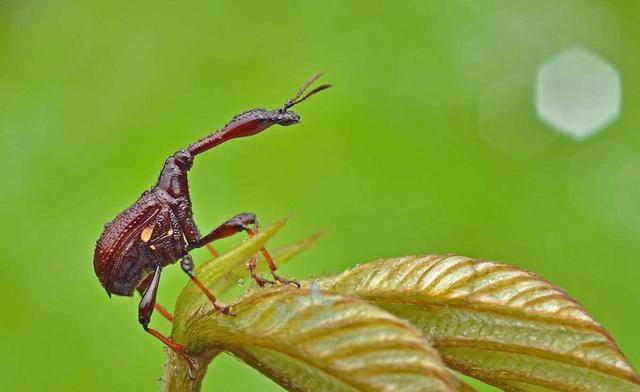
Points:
(145, 309)
(272, 265)
(242, 222)
(252, 270)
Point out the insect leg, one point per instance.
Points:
(213, 251)
(272, 265)
(145, 309)
(242, 222)
(252, 270)
(188, 267)
(143, 287)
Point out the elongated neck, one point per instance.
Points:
(245, 124)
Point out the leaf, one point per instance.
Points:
(461, 386)
(307, 341)
(500, 324)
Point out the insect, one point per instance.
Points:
(158, 229)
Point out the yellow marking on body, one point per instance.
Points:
(153, 247)
(145, 236)
(170, 232)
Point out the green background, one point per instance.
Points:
(391, 161)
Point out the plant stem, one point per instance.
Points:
(176, 375)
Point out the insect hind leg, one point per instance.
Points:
(145, 309)
(142, 288)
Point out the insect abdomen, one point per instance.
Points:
(116, 244)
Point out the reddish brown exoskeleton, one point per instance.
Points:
(158, 229)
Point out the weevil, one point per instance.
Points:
(158, 229)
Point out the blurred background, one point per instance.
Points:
(506, 130)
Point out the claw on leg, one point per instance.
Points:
(226, 310)
(273, 268)
(193, 365)
(283, 280)
(272, 265)
(252, 270)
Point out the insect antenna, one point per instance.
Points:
(299, 97)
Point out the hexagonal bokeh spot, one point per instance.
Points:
(578, 93)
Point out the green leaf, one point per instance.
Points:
(500, 324)
(461, 386)
(307, 341)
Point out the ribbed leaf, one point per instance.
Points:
(500, 324)
(307, 341)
